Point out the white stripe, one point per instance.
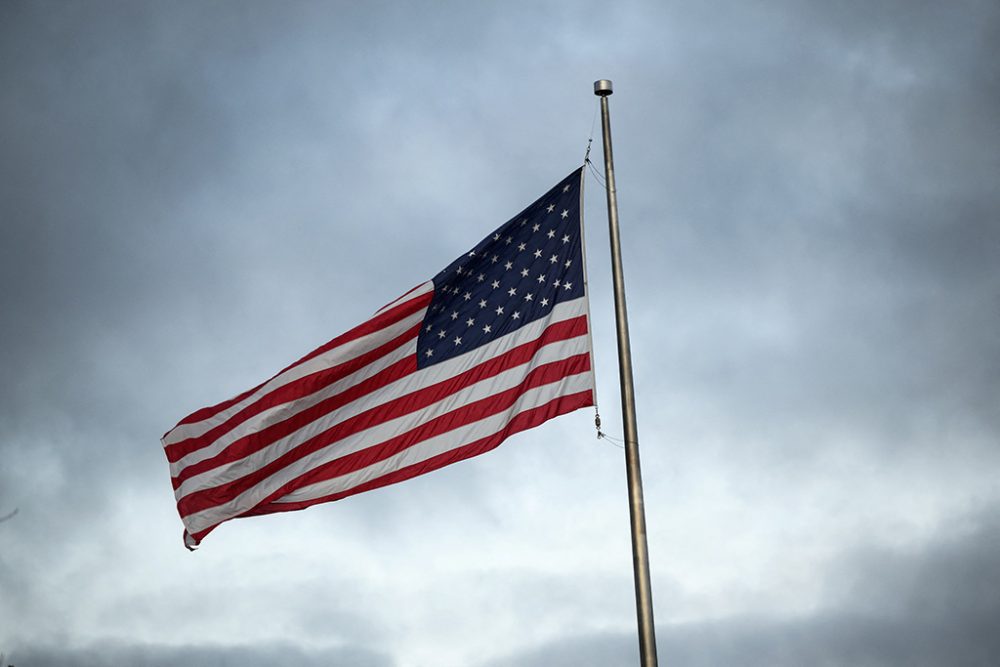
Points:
(533, 398)
(402, 387)
(283, 411)
(445, 442)
(377, 433)
(339, 354)
(331, 357)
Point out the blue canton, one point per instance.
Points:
(513, 277)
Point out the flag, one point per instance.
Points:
(496, 343)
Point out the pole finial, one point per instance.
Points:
(602, 88)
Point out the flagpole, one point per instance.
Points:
(640, 552)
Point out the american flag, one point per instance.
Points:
(496, 343)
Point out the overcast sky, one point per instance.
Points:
(193, 195)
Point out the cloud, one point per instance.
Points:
(151, 655)
(931, 606)
(194, 195)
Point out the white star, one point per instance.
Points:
(564, 214)
(508, 240)
(516, 315)
(467, 296)
(430, 328)
(441, 333)
(509, 265)
(469, 322)
(551, 208)
(568, 285)
(482, 303)
(529, 296)
(545, 302)
(459, 270)
(557, 282)
(567, 263)
(496, 237)
(495, 284)
(541, 277)
(511, 291)
(454, 314)
(521, 246)
(499, 310)
(524, 273)
(480, 278)
(458, 340)
(565, 239)
(494, 259)
(551, 234)
(535, 227)
(429, 353)
(487, 329)
(472, 253)
(553, 259)
(566, 189)
(538, 253)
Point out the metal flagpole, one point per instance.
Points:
(640, 553)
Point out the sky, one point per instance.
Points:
(195, 194)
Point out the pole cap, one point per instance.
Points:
(602, 87)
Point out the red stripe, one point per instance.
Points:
(521, 422)
(467, 414)
(253, 442)
(408, 292)
(294, 390)
(211, 497)
(205, 413)
(264, 437)
(380, 321)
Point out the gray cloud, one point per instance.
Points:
(932, 606)
(191, 196)
(106, 654)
